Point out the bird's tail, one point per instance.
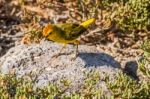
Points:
(86, 23)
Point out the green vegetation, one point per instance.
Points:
(129, 14)
(127, 88)
(132, 15)
(13, 87)
(144, 64)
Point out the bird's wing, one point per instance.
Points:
(76, 32)
(68, 29)
(67, 26)
(80, 29)
(73, 31)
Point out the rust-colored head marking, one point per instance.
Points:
(47, 29)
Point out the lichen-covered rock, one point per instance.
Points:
(36, 60)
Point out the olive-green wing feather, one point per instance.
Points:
(72, 31)
(76, 32)
(67, 27)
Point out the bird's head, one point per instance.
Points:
(47, 30)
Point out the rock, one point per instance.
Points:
(36, 59)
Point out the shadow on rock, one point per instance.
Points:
(98, 59)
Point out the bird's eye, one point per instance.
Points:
(50, 33)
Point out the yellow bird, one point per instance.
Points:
(66, 33)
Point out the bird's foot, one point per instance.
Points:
(73, 57)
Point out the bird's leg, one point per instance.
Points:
(76, 43)
(59, 53)
(76, 51)
(74, 56)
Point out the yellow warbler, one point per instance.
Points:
(66, 33)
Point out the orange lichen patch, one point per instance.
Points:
(47, 29)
